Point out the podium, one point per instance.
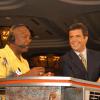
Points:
(48, 88)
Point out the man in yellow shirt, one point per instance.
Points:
(11, 61)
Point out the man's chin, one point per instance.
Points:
(76, 49)
(25, 49)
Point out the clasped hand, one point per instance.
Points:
(38, 71)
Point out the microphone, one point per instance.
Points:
(21, 45)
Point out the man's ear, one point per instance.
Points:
(86, 38)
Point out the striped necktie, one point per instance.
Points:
(84, 61)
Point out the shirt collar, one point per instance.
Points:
(84, 53)
(9, 51)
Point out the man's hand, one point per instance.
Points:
(98, 80)
(48, 74)
(35, 71)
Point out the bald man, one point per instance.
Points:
(11, 61)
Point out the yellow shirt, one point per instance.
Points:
(10, 64)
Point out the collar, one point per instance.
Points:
(84, 53)
(10, 51)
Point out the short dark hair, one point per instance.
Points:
(78, 26)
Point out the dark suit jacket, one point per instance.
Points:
(73, 67)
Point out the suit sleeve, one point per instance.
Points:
(66, 68)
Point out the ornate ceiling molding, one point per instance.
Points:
(11, 4)
(82, 2)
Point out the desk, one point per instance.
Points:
(50, 88)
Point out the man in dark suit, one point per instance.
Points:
(72, 62)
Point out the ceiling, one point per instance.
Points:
(48, 20)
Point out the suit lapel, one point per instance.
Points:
(89, 60)
(76, 60)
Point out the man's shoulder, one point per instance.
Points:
(93, 52)
(2, 51)
(67, 54)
